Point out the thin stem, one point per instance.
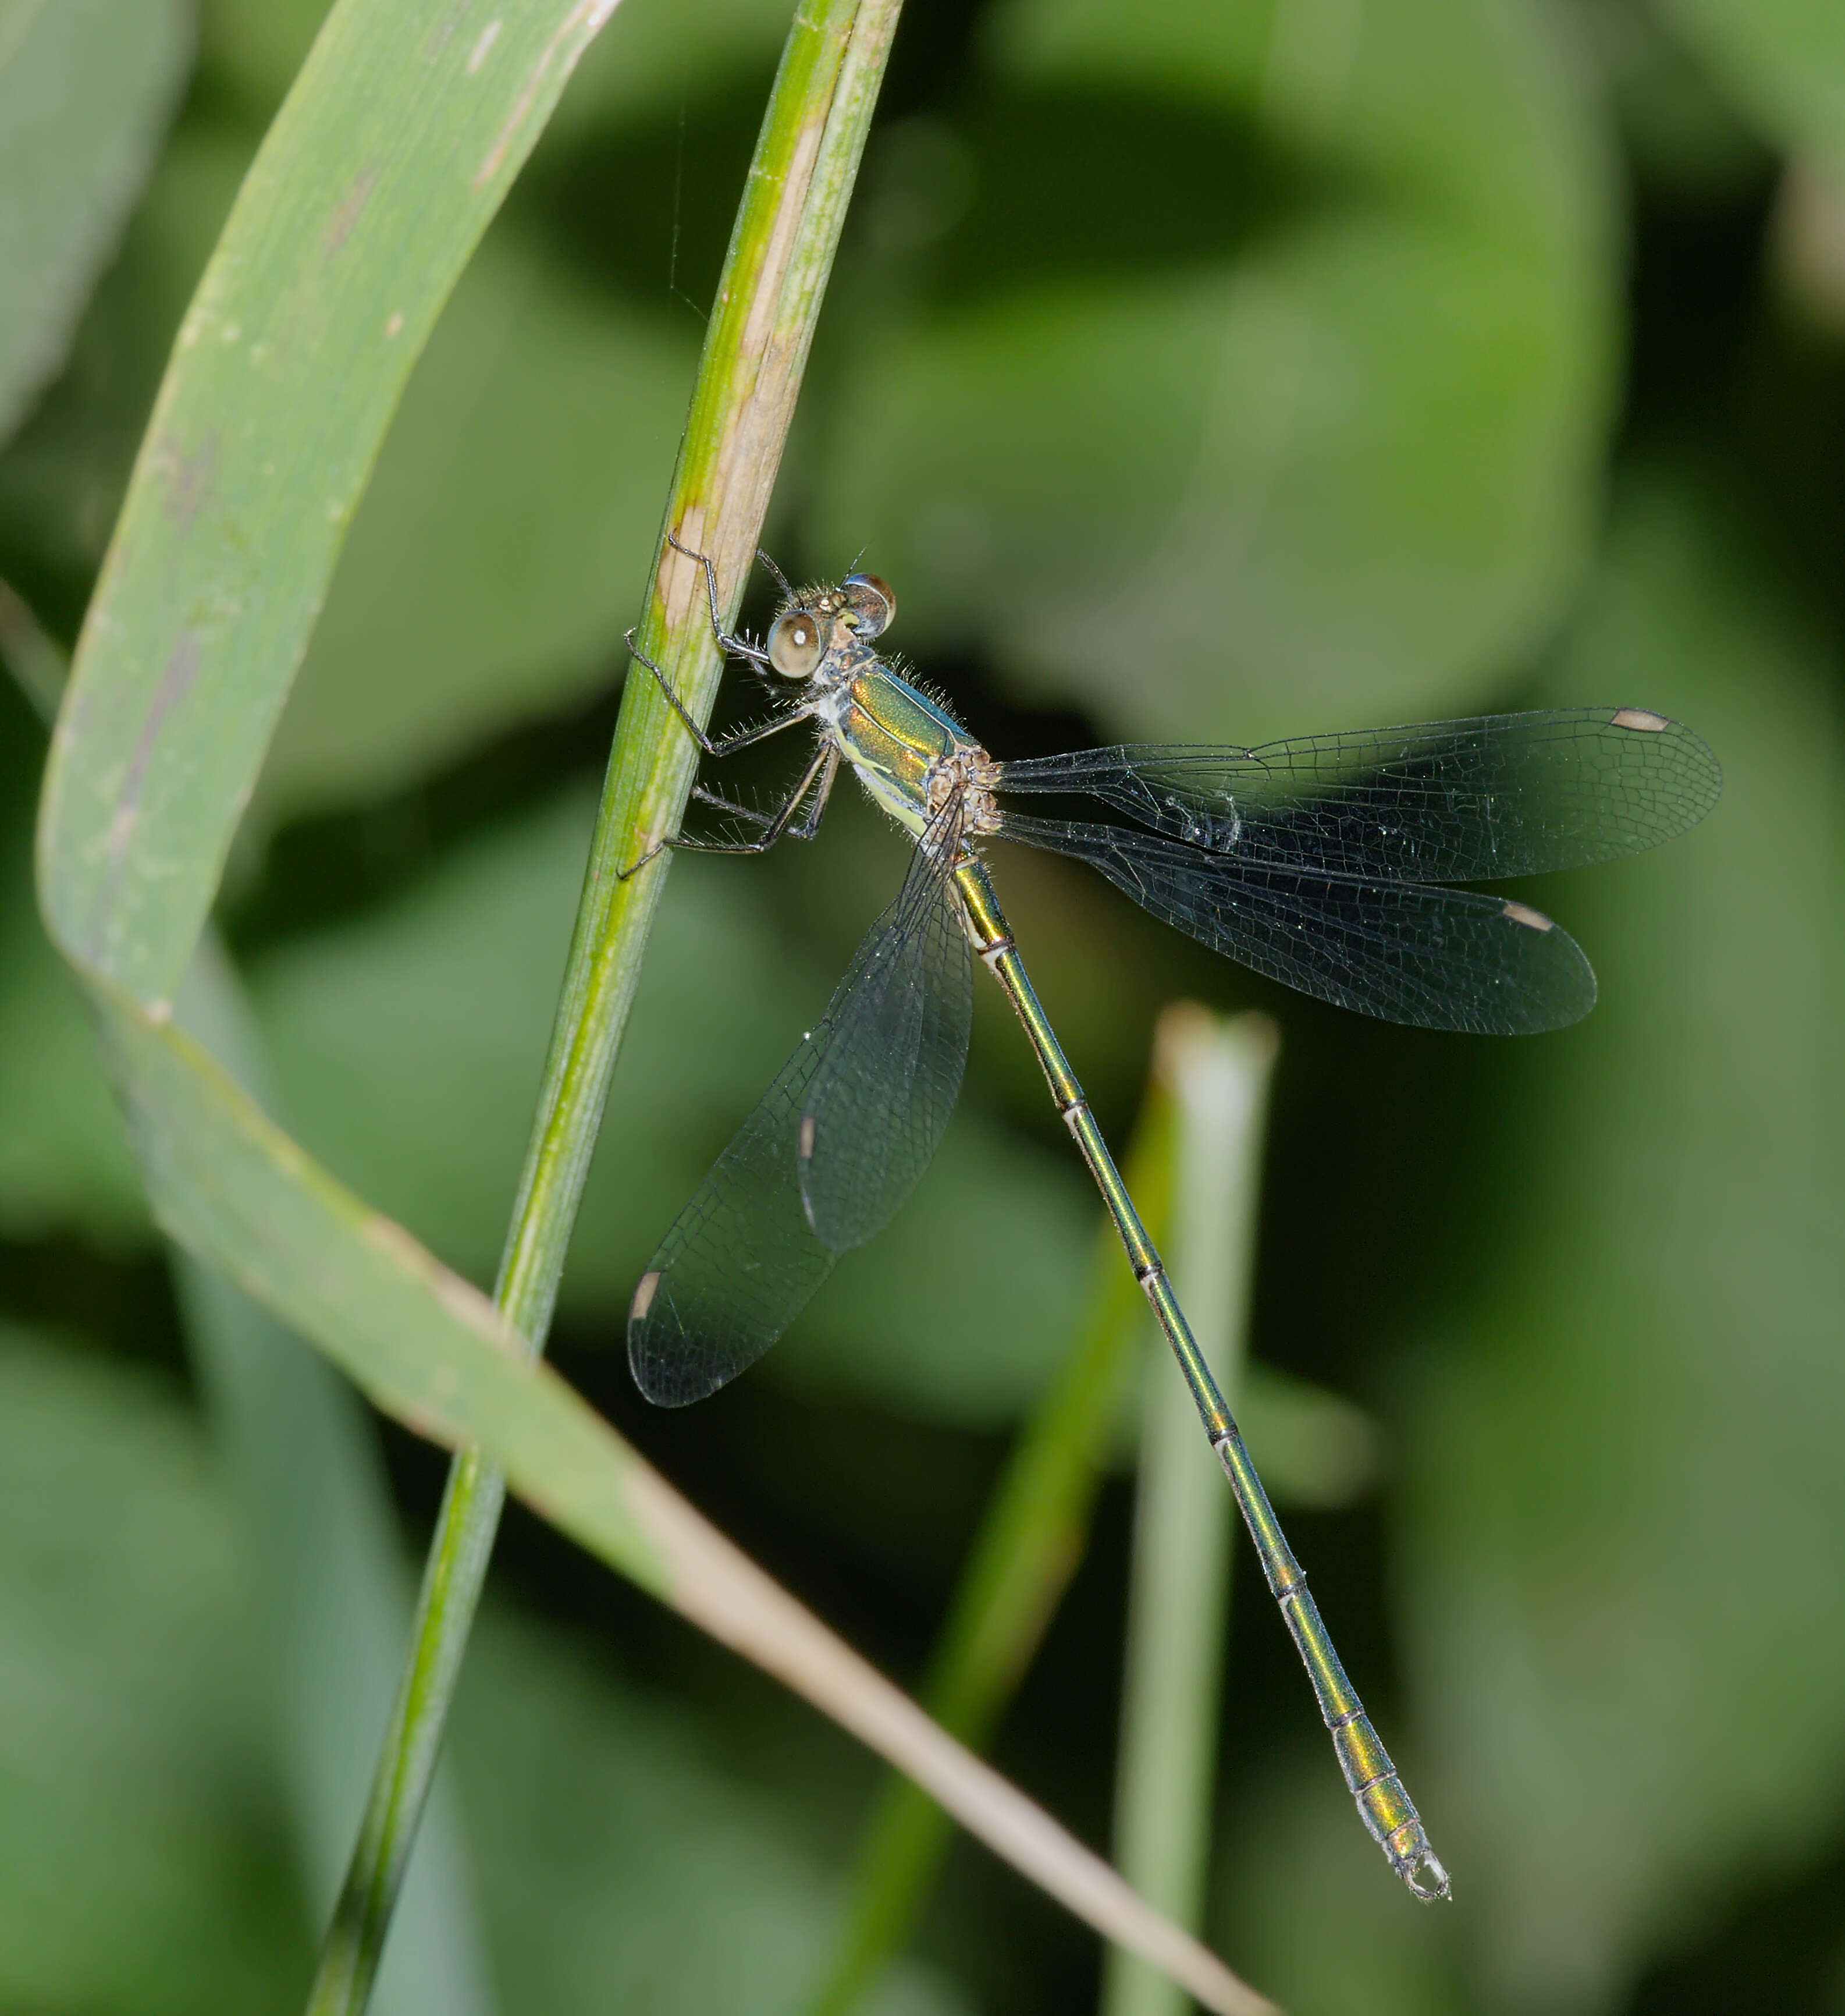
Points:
(1218, 1073)
(768, 299)
(1028, 1547)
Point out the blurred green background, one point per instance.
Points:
(1215, 372)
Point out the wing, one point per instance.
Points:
(746, 1255)
(740, 1261)
(878, 1105)
(1452, 801)
(1438, 959)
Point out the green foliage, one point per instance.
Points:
(1359, 1953)
(147, 1867)
(501, 551)
(1211, 373)
(148, 1870)
(1785, 62)
(1631, 1485)
(317, 300)
(622, 1864)
(348, 233)
(1305, 246)
(1617, 1483)
(62, 480)
(63, 1161)
(86, 86)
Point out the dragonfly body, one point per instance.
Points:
(905, 748)
(1322, 862)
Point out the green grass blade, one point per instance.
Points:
(1028, 1547)
(1178, 1613)
(394, 149)
(768, 302)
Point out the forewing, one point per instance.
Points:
(1448, 801)
(877, 1106)
(1438, 959)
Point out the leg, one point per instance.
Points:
(724, 744)
(736, 646)
(718, 800)
(809, 825)
(804, 829)
(776, 826)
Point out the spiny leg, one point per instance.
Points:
(803, 829)
(726, 641)
(779, 825)
(723, 745)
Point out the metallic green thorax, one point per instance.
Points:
(893, 737)
(903, 745)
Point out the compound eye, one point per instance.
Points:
(871, 603)
(796, 640)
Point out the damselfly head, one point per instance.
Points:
(802, 634)
(870, 602)
(797, 642)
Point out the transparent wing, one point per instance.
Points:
(1449, 801)
(743, 1258)
(1438, 959)
(740, 1261)
(876, 1108)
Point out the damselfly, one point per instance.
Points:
(1319, 861)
